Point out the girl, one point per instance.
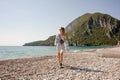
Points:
(60, 44)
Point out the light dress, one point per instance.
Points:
(60, 47)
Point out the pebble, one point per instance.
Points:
(76, 67)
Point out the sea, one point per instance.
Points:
(14, 52)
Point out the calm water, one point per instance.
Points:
(13, 52)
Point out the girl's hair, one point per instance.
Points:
(62, 28)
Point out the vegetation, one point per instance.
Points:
(47, 42)
(90, 29)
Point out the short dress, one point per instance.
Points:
(60, 47)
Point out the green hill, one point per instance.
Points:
(94, 29)
(89, 29)
(47, 42)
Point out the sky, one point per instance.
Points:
(23, 21)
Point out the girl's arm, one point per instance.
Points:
(56, 40)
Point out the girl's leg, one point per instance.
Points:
(59, 56)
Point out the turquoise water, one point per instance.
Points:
(13, 52)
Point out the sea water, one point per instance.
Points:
(13, 52)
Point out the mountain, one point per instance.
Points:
(94, 29)
(47, 42)
(89, 29)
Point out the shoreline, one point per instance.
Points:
(101, 52)
(48, 54)
(81, 65)
(72, 51)
(15, 52)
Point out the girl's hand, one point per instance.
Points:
(65, 37)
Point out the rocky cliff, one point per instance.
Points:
(89, 29)
(94, 29)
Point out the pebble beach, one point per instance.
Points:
(97, 64)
